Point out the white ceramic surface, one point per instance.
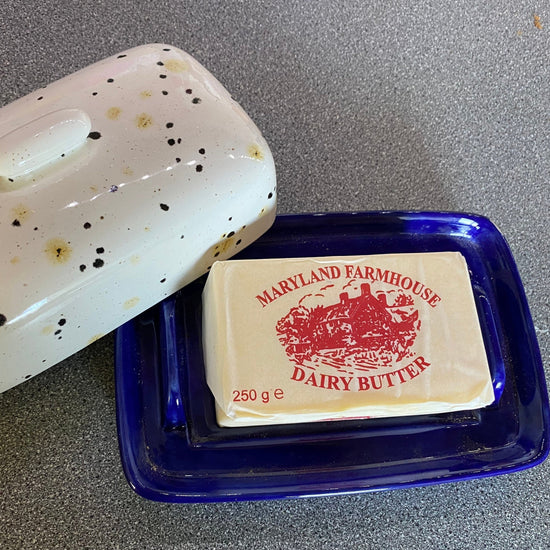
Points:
(119, 184)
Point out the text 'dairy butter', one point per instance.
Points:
(307, 339)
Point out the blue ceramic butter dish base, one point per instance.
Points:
(173, 450)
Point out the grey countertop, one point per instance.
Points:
(366, 106)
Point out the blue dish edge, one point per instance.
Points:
(139, 484)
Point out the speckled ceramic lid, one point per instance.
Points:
(120, 184)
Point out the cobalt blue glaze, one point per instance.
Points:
(172, 449)
(174, 414)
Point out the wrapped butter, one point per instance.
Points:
(311, 339)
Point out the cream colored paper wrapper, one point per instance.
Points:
(308, 339)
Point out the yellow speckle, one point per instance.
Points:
(95, 338)
(255, 152)
(135, 259)
(132, 302)
(15, 260)
(58, 251)
(226, 242)
(145, 94)
(113, 113)
(127, 171)
(147, 228)
(175, 65)
(144, 121)
(47, 330)
(223, 246)
(537, 22)
(21, 213)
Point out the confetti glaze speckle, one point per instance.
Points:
(140, 150)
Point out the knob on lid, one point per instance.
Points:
(41, 141)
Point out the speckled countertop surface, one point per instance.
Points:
(378, 105)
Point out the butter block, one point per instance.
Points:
(311, 339)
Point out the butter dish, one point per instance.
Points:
(172, 448)
(120, 184)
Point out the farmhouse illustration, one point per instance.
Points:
(363, 332)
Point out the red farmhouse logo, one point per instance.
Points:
(361, 332)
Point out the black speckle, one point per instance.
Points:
(164, 207)
(169, 125)
(98, 263)
(94, 135)
(198, 168)
(16, 223)
(41, 97)
(62, 155)
(182, 237)
(216, 254)
(162, 76)
(94, 93)
(58, 331)
(113, 189)
(100, 250)
(230, 218)
(61, 321)
(238, 242)
(60, 337)
(189, 91)
(87, 225)
(28, 376)
(160, 63)
(196, 100)
(270, 195)
(165, 49)
(178, 159)
(3, 319)
(163, 280)
(202, 151)
(82, 267)
(121, 56)
(179, 141)
(164, 92)
(230, 234)
(10, 180)
(110, 80)
(171, 142)
(36, 228)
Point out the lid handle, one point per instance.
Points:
(41, 141)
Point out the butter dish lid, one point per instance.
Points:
(119, 184)
(173, 450)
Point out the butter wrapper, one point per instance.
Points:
(311, 339)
